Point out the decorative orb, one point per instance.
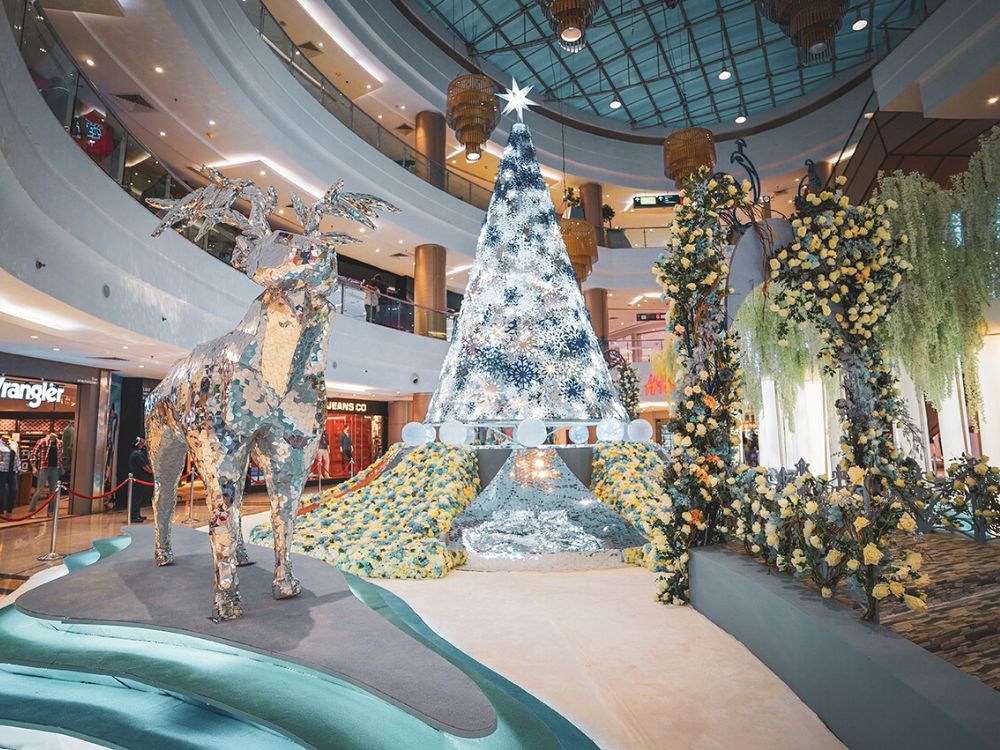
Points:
(414, 434)
(579, 433)
(610, 429)
(431, 433)
(640, 431)
(454, 432)
(531, 433)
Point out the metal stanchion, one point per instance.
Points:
(190, 520)
(52, 554)
(128, 505)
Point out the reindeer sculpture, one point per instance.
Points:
(258, 391)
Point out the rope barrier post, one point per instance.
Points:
(52, 554)
(128, 504)
(190, 520)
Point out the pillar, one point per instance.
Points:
(597, 305)
(399, 415)
(591, 193)
(429, 138)
(430, 294)
(421, 401)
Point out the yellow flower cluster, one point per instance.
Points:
(393, 526)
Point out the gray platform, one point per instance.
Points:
(326, 628)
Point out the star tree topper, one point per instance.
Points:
(517, 100)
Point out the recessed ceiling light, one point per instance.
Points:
(262, 173)
(402, 106)
(724, 74)
(142, 367)
(362, 230)
(125, 346)
(473, 156)
(741, 119)
(163, 134)
(56, 349)
(34, 336)
(281, 211)
(400, 242)
(380, 117)
(319, 44)
(211, 122)
(378, 249)
(615, 104)
(158, 69)
(89, 61)
(368, 86)
(860, 23)
(993, 100)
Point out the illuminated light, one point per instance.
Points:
(993, 100)
(320, 44)
(89, 61)
(125, 346)
(724, 74)
(378, 249)
(362, 230)
(142, 367)
(615, 104)
(262, 173)
(56, 349)
(400, 242)
(279, 169)
(37, 315)
(211, 122)
(281, 211)
(33, 336)
(380, 117)
(158, 69)
(338, 385)
(860, 23)
(369, 86)
(163, 134)
(869, 115)
(571, 34)
(474, 156)
(741, 119)
(330, 25)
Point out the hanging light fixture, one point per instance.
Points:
(472, 111)
(810, 24)
(684, 151)
(569, 19)
(581, 244)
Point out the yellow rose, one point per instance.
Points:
(881, 591)
(856, 474)
(811, 507)
(906, 523)
(826, 592)
(833, 557)
(897, 588)
(872, 554)
(914, 560)
(915, 603)
(860, 522)
(853, 564)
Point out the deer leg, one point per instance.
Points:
(236, 513)
(223, 485)
(286, 470)
(167, 452)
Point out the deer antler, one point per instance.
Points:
(358, 207)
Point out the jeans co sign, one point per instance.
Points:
(33, 394)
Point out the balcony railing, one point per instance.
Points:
(362, 124)
(89, 120)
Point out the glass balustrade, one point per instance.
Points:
(89, 121)
(362, 124)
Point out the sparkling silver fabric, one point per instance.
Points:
(258, 391)
(536, 506)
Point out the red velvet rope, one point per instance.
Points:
(39, 509)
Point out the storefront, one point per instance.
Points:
(355, 436)
(39, 398)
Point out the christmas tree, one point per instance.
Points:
(524, 345)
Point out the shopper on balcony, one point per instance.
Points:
(374, 289)
(47, 459)
(10, 465)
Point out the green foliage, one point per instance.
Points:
(607, 213)
(978, 194)
(787, 361)
(628, 388)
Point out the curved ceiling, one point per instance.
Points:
(661, 59)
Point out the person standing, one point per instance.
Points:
(139, 468)
(47, 458)
(323, 454)
(346, 450)
(10, 465)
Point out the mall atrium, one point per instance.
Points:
(616, 374)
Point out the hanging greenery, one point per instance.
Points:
(978, 194)
(937, 322)
(788, 359)
(628, 388)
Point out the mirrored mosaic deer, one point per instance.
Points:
(259, 391)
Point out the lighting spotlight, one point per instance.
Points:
(724, 74)
(615, 104)
(741, 119)
(473, 156)
(993, 100)
(860, 23)
(158, 69)
(89, 61)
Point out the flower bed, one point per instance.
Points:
(392, 527)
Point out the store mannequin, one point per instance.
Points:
(47, 458)
(10, 465)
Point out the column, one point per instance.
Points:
(430, 294)
(421, 401)
(597, 305)
(399, 415)
(591, 193)
(429, 138)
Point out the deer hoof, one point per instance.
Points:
(226, 607)
(286, 588)
(242, 558)
(164, 557)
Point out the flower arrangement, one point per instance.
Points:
(392, 527)
(972, 496)
(571, 198)
(694, 274)
(627, 384)
(628, 478)
(360, 479)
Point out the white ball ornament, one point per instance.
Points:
(640, 431)
(414, 434)
(610, 429)
(531, 433)
(579, 434)
(454, 432)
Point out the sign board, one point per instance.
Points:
(33, 394)
(663, 200)
(647, 316)
(356, 406)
